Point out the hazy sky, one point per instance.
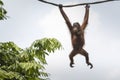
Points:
(30, 20)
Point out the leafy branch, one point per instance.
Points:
(3, 12)
(26, 64)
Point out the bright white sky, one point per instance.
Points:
(30, 20)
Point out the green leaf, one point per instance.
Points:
(1, 3)
(3, 13)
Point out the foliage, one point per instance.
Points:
(3, 12)
(26, 64)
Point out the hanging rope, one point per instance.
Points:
(97, 2)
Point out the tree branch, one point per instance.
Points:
(80, 4)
